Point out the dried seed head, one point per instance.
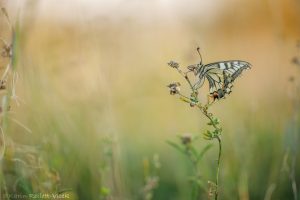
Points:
(7, 51)
(298, 44)
(193, 68)
(2, 84)
(296, 61)
(186, 139)
(174, 88)
(173, 64)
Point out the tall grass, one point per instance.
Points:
(93, 111)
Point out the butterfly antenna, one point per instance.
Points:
(198, 50)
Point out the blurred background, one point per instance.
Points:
(93, 113)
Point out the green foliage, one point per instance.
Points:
(188, 149)
(66, 147)
(104, 192)
(151, 177)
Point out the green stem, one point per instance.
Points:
(209, 116)
(220, 149)
(194, 191)
(195, 185)
(218, 167)
(220, 152)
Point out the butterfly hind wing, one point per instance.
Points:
(220, 75)
(215, 77)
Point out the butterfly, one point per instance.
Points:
(220, 75)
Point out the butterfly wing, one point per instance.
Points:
(215, 79)
(234, 68)
(220, 75)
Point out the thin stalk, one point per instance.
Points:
(203, 109)
(195, 190)
(209, 116)
(218, 167)
(220, 149)
(184, 74)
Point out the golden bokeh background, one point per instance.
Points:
(92, 70)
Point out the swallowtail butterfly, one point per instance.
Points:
(220, 75)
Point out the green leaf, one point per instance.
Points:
(217, 132)
(197, 181)
(194, 151)
(207, 138)
(185, 99)
(220, 130)
(208, 134)
(104, 191)
(201, 184)
(176, 146)
(216, 121)
(15, 45)
(203, 151)
(192, 179)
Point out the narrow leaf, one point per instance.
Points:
(194, 151)
(185, 99)
(203, 151)
(176, 146)
(4, 13)
(207, 134)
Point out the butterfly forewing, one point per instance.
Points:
(220, 75)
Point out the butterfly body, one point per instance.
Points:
(220, 75)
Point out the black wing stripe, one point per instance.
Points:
(215, 74)
(213, 85)
(237, 73)
(201, 69)
(232, 62)
(220, 75)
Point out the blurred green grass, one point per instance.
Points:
(96, 102)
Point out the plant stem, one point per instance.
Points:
(220, 149)
(196, 191)
(184, 74)
(218, 167)
(210, 117)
